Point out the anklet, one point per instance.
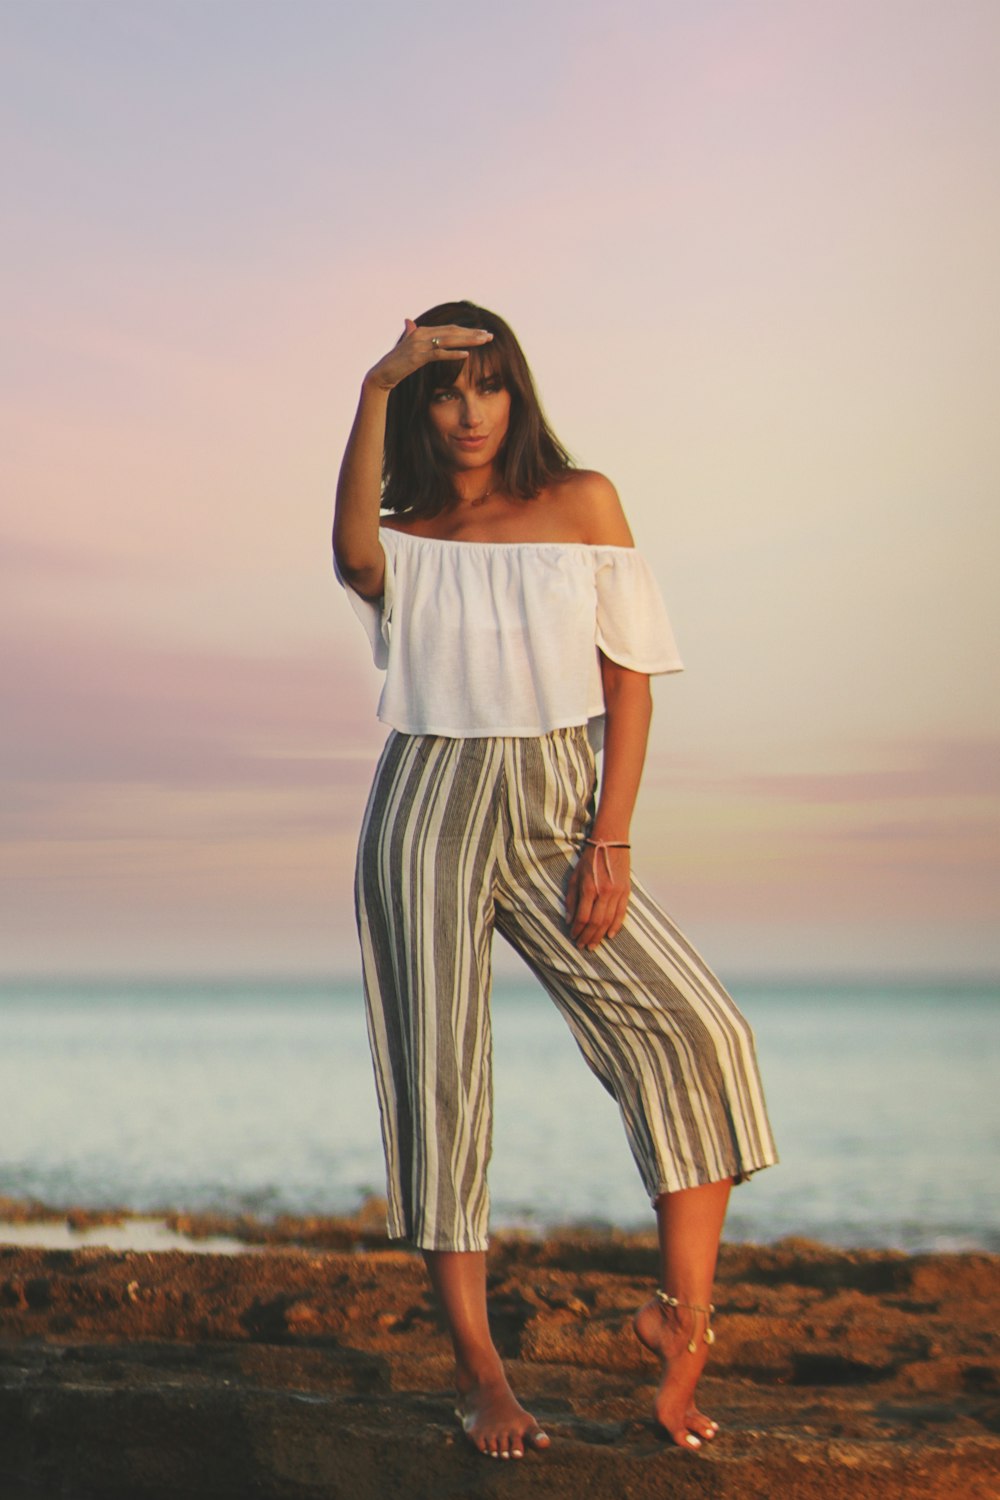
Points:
(666, 1301)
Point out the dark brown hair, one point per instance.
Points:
(415, 479)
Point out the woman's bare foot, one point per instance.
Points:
(667, 1331)
(493, 1419)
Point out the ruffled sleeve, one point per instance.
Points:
(374, 614)
(633, 627)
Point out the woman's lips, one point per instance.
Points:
(470, 442)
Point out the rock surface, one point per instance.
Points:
(288, 1373)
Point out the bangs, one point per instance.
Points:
(497, 360)
(485, 362)
(489, 362)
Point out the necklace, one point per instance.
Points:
(481, 499)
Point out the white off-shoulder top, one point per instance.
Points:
(502, 638)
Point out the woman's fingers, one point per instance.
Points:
(418, 346)
(595, 909)
(454, 334)
(593, 917)
(449, 341)
(446, 340)
(582, 917)
(593, 935)
(618, 921)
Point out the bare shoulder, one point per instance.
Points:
(389, 521)
(592, 504)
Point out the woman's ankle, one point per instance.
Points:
(478, 1368)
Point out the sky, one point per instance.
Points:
(751, 252)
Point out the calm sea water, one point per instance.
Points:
(259, 1097)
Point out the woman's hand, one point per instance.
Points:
(422, 346)
(597, 896)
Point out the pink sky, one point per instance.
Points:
(751, 252)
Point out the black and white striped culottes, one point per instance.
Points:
(464, 835)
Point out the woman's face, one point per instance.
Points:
(471, 417)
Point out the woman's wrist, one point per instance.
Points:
(374, 385)
(617, 833)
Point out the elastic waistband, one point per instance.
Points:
(569, 732)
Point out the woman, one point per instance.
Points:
(518, 627)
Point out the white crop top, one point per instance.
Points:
(502, 638)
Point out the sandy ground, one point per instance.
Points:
(315, 1365)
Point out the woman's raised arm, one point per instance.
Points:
(359, 487)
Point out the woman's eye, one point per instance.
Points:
(445, 395)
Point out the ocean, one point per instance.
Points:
(257, 1097)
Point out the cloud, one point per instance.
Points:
(953, 768)
(912, 770)
(93, 713)
(947, 834)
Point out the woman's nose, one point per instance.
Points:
(471, 414)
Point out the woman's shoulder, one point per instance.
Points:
(390, 521)
(592, 509)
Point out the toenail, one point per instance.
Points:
(505, 1454)
(692, 1441)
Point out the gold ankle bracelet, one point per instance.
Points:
(667, 1301)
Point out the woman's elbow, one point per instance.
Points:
(622, 685)
(363, 573)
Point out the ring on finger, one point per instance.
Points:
(435, 343)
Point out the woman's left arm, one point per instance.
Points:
(598, 890)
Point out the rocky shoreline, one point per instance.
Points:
(316, 1365)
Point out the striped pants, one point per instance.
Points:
(464, 835)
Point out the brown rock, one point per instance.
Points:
(297, 1372)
